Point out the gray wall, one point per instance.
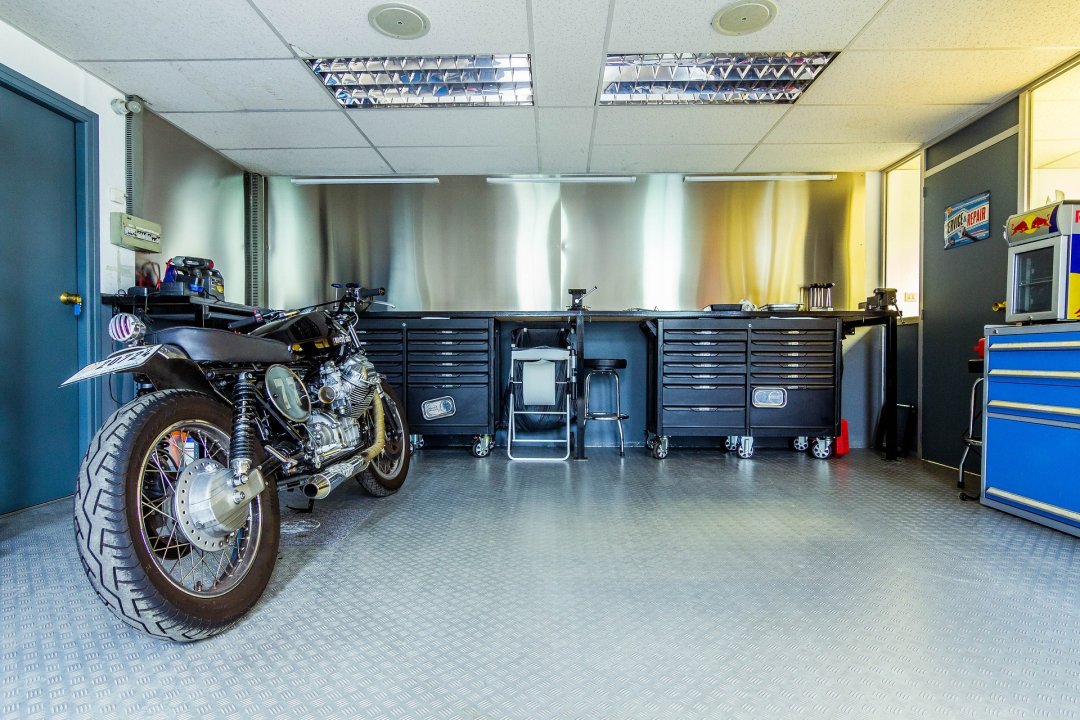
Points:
(197, 196)
(658, 243)
(959, 285)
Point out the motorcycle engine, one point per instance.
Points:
(331, 435)
(349, 389)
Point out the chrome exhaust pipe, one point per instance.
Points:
(321, 484)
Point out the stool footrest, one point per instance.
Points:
(607, 416)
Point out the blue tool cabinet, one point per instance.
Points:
(1031, 423)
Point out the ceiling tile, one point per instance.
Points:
(974, 24)
(681, 26)
(1064, 87)
(927, 77)
(1048, 153)
(685, 125)
(1055, 119)
(868, 123)
(447, 126)
(1069, 162)
(567, 64)
(564, 139)
(463, 160)
(202, 85)
(140, 30)
(667, 158)
(844, 157)
(236, 130)
(460, 27)
(311, 162)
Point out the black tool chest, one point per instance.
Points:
(741, 378)
(444, 370)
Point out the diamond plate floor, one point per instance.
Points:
(700, 586)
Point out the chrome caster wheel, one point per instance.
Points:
(822, 448)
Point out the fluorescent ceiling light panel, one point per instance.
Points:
(753, 178)
(427, 81)
(562, 179)
(754, 78)
(388, 180)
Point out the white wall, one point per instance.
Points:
(35, 61)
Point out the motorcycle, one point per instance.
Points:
(177, 516)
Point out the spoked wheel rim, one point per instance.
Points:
(193, 571)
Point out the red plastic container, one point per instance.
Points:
(842, 444)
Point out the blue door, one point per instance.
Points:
(38, 241)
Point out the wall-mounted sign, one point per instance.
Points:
(967, 221)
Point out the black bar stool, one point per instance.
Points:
(605, 367)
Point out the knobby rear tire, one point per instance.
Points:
(111, 537)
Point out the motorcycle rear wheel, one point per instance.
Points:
(387, 471)
(132, 548)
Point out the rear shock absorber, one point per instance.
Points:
(242, 445)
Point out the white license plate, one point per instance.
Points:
(117, 362)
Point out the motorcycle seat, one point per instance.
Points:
(209, 345)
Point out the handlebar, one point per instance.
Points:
(353, 292)
(243, 323)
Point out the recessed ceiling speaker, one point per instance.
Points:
(399, 21)
(744, 17)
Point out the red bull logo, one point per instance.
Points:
(1032, 222)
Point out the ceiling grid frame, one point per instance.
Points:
(263, 31)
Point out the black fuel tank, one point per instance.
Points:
(305, 328)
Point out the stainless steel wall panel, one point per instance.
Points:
(198, 198)
(658, 243)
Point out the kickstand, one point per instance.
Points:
(310, 507)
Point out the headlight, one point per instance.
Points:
(126, 328)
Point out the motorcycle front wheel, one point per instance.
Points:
(145, 559)
(387, 471)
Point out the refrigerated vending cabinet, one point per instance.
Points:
(1031, 423)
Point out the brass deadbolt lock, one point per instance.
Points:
(70, 298)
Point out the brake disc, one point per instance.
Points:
(204, 505)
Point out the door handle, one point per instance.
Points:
(70, 298)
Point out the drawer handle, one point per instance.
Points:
(1049, 374)
(1045, 507)
(706, 332)
(1032, 407)
(705, 377)
(702, 387)
(1058, 345)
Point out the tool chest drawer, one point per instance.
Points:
(1031, 416)
(705, 395)
(809, 410)
(449, 407)
(704, 420)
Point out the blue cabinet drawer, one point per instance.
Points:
(1032, 466)
(1011, 394)
(1034, 351)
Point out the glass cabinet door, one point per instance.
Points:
(1034, 278)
